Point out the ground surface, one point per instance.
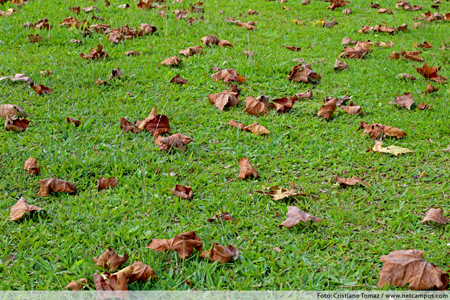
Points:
(360, 224)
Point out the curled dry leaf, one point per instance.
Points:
(172, 61)
(11, 110)
(337, 3)
(20, 208)
(405, 101)
(246, 169)
(210, 40)
(184, 192)
(257, 129)
(73, 121)
(40, 89)
(430, 89)
(141, 272)
(147, 28)
(155, 123)
(347, 11)
(56, 185)
(35, 38)
(391, 149)
(126, 126)
(304, 95)
(110, 260)
(249, 25)
(431, 73)
(374, 130)
(283, 104)
(226, 98)
(113, 282)
(184, 244)
(347, 40)
(16, 124)
(295, 215)
(225, 43)
(106, 183)
(176, 140)
(178, 80)
(423, 106)
(406, 76)
(360, 50)
(223, 216)
(435, 215)
(192, 50)
(340, 65)
(31, 166)
(221, 254)
(344, 182)
(278, 193)
(411, 55)
(408, 266)
(327, 109)
(252, 12)
(295, 49)
(255, 106)
(304, 73)
(249, 53)
(77, 285)
(132, 53)
(237, 125)
(352, 109)
(17, 77)
(95, 53)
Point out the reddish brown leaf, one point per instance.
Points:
(20, 208)
(178, 80)
(40, 89)
(126, 126)
(141, 272)
(340, 65)
(293, 48)
(283, 104)
(405, 101)
(184, 192)
(184, 244)
(77, 285)
(237, 125)
(210, 40)
(223, 216)
(304, 73)
(155, 123)
(73, 121)
(423, 106)
(295, 215)
(113, 282)
(106, 183)
(431, 89)
(255, 106)
(337, 3)
(431, 73)
(246, 169)
(110, 260)
(327, 109)
(16, 124)
(31, 166)
(55, 185)
(176, 140)
(226, 98)
(221, 254)
(35, 38)
(95, 53)
(374, 130)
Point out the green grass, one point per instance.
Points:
(360, 224)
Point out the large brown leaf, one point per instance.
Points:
(304, 73)
(210, 40)
(431, 73)
(113, 282)
(16, 124)
(327, 109)
(155, 123)
(184, 244)
(31, 166)
(408, 266)
(374, 130)
(247, 169)
(95, 53)
(226, 98)
(221, 254)
(11, 110)
(40, 88)
(20, 208)
(284, 104)
(110, 260)
(176, 140)
(435, 215)
(141, 272)
(405, 101)
(255, 106)
(295, 215)
(55, 185)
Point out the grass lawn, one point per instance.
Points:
(360, 224)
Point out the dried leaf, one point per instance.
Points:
(391, 149)
(347, 40)
(278, 193)
(407, 266)
(405, 101)
(295, 215)
(141, 272)
(172, 61)
(210, 40)
(223, 216)
(11, 110)
(110, 260)
(283, 104)
(132, 53)
(77, 285)
(184, 244)
(435, 215)
(293, 48)
(347, 11)
(178, 80)
(95, 53)
(411, 55)
(73, 121)
(113, 282)
(304, 73)
(192, 50)
(16, 124)
(35, 38)
(406, 76)
(337, 3)
(352, 109)
(55, 185)
(40, 89)
(327, 109)
(255, 106)
(344, 182)
(423, 106)
(237, 125)
(430, 89)
(360, 50)
(431, 73)
(374, 130)
(155, 123)
(91, 8)
(126, 126)
(257, 129)
(252, 12)
(106, 183)
(221, 254)
(340, 65)
(184, 192)
(176, 140)
(20, 208)
(246, 169)
(17, 77)
(31, 166)
(226, 98)
(249, 53)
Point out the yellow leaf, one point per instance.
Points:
(395, 150)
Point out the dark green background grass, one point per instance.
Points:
(360, 224)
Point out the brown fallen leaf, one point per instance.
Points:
(141, 272)
(327, 109)
(45, 73)
(394, 150)
(40, 89)
(284, 104)
(16, 124)
(411, 55)
(374, 130)
(237, 125)
(304, 95)
(406, 76)
(347, 40)
(210, 40)
(352, 109)
(408, 266)
(11, 110)
(77, 285)
(423, 106)
(252, 12)
(360, 50)
(17, 77)
(113, 282)
(385, 45)
(184, 244)
(385, 11)
(347, 11)
(337, 3)
(246, 169)
(178, 80)
(431, 73)
(126, 126)
(304, 73)
(95, 53)
(155, 123)
(223, 216)
(278, 193)
(110, 260)
(20, 208)
(293, 48)
(255, 106)
(257, 129)
(226, 98)
(184, 192)
(430, 89)
(405, 101)
(75, 41)
(225, 43)
(226, 75)
(435, 215)
(35, 38)
(132, 53)
(295, 215)
(249, 53)
(106, 183)
(192, 50)
(249, 25)
(330, 24)
(340, 65)
(31, 166)
(145, 4)
(344, 182)
(176, 140)
(172, 61)
(73, 121)
(221, 254)
(55, 185)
